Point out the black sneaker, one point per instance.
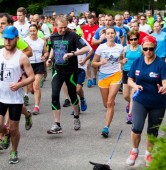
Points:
(28, 121)
(6, 141)
(66, 103)
(13, 157)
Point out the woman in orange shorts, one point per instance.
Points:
(107, 58)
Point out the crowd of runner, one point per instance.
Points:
(120, 53)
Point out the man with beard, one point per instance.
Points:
(12, 65)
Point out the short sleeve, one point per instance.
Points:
(131, 73)
(80, 43)
(21, 44)
(96, 35)
(98, 50)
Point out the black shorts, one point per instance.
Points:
(125, 77)
(15, 110)
(38, 68)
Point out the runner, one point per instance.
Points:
(40, 54)
(131, 52)
(161, 40)
(65, 69)
(147, 77)
(13, 62)
(107, 58)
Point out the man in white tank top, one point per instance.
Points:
(12, 65)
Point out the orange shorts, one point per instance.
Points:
(116, 78)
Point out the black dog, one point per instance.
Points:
(98, 166)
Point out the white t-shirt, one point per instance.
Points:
(145, 28)
(37, 49)
(113, 54)
(83, 56)
(23, 30)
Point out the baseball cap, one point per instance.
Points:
(72, 26)
(149, 38)
(81, 21)
(10, 32)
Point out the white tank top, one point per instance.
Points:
(10, 72)
(37, 49)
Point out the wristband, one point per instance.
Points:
(73, 53)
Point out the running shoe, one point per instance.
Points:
(55, 129)
(66, 103)
(127, 108)
(148, 159)
(89, 84)
(105, 132)
(132, 158)
(35, 111)
(6, 141)
(94, 81)
(77, 124)
(26, 100)
(83, 105)
(129, 119)
(1, 144)
(28, 121)
(13, 157)
(42, 83)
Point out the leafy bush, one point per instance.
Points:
(159, 152)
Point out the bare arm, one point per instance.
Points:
(82, 62)
(25, 64)
(28, 51)
(78, 52)
(50, 58)
(45, 52)
(97, 42)
(132, 84)
(162, 89)
(96, 61)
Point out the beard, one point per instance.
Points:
(10, 47)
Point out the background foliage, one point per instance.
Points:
(36, 6)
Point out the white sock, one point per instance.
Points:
(135, 150)
(37, 106)
(26, 94)
(147, 152)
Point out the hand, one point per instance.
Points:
(104, 61)
(124, 60)
(67, 55)
(161, 89)
(137, 87)
(49, 62)
(43, 58)
(81, 62)
(14, 86)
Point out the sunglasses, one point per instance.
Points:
(150, 48)
(135, 39)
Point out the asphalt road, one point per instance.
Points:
(72, 150)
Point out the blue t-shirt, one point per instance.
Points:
(161, 44)
(131, 56)
(148, 76)
(98, 31)
(126, 21)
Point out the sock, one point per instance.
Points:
(26, 94)
(58, 124)
(147, 153)
(81, 98)
(76, 117)
(135, 150)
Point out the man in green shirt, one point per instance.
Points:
(150, 19)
